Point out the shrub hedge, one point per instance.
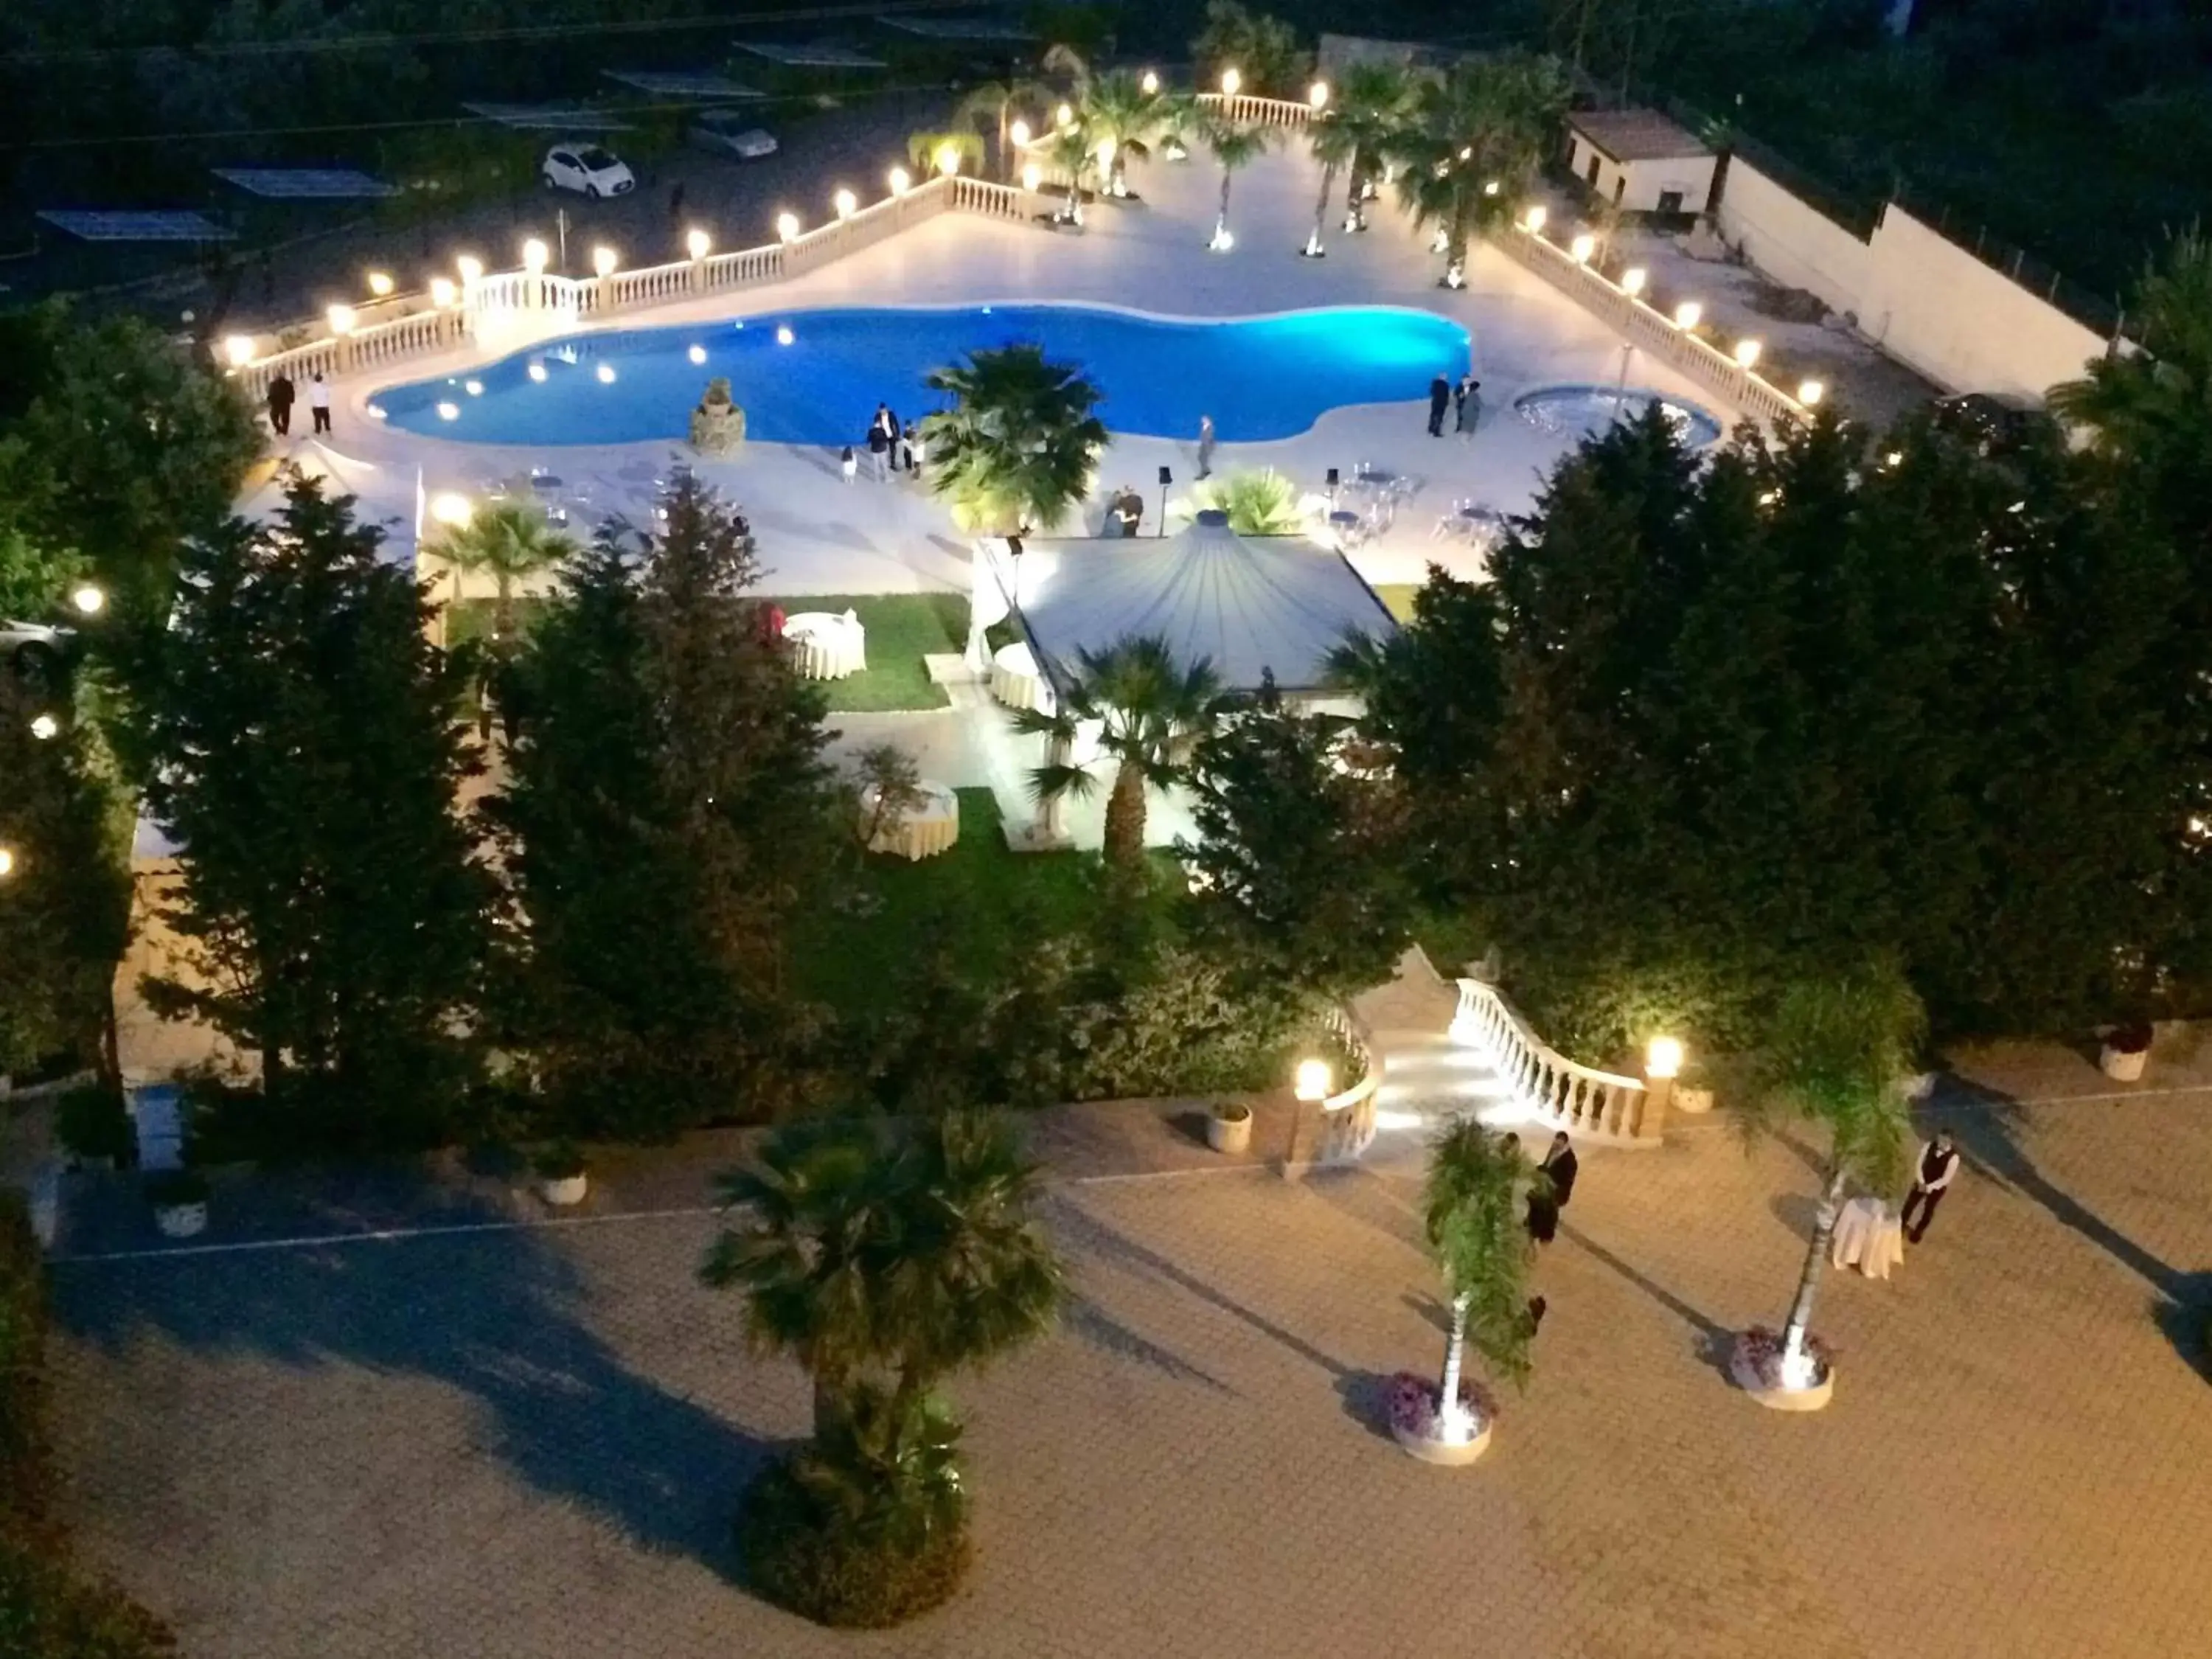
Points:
(804, 1561)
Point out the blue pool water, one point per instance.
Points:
(815, 377)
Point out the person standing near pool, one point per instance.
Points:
(1205, 445)
(1468, 399)
(1440, 390)
(318, 402)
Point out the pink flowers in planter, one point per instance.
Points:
(1759, 1350)
(1413, 1404)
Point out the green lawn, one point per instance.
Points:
(980, 898)
(1398, 598)
(900, 627)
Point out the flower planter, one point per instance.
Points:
(2123, 1065)
(1448, 1453)
(1233, 1135)
(1755, 1364)
(562, 1191)
(181, 1220)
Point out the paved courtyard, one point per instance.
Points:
(526, 1441)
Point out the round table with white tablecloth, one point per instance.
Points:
(1015, 680)
(922, 832)
(1867, 1237)
(825, 645)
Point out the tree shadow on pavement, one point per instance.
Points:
(1085, 1235)
(1993, 1129)
(1714, 1338)
(501, 1316)
(1091, 1324)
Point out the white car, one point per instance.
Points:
(31, 649)
(725, 131)
(589, 170)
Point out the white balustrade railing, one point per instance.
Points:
(1259, 111)
(1560, 1093)
(1655, 332)
(1347, 1117)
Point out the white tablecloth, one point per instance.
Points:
(1014, 681)
(1868, 1238)
(920, 834)
(825, 645)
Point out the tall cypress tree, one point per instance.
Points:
(305, 749)
(668, 815)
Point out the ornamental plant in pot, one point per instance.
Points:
(179, 1198)
(1229, 1127)
(1478, 1181)
(2126, 1048)
(560, 1177)
(1838, 1049)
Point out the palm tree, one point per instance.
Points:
(999, 102)
(928, 151)
(2156, 403)
(811, 1204)
(866, 1253)
(1264, 503)
(1472, 1218)
(1234, 145)
(513, 542)
(1018, 445)
(1838, 1052)
(1373, 103)
(1151, 714)
(1069, 149)
(1477, 136)
(1116, 110)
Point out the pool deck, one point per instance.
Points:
(818, 535)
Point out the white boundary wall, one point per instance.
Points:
(1921, 298)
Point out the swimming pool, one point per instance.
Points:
(815, 377)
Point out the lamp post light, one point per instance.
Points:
(451, 509)
(1150, 83)
(380, 285)
(471, 268)
(444, 293)
(1309, 1086)
(1317, 96)
(845, 203)
(88, 600)
(341, 319)
(535, 254)
(1064, 116)
(7, 862)
(900, 180)
(1032, 176)
(604, 262)
(1582, 248)
(1662, 1064)
(1687, 315)
(1532, 220)
(1230, 80)
(1632, 281)
(786, 227)
(45, 728)
(1809, 392)
(1747, 354)
(1019, 133)
(696, 243)
(238, 350)
(948, 158)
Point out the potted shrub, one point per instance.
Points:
(560, 1177)
(1477, 1183)
(2126, 1048)
(179, 1198)
(1229, 1127)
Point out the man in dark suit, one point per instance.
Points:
(1555, 1185)
(1931, 1178)
(1440, 390)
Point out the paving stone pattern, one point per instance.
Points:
(523, 1444)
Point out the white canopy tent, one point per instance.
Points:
(1278, 604)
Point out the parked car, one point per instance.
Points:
(730, 132)
(1993, 423)
(33, 650)
(589, 170)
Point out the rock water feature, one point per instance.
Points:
(717, 425)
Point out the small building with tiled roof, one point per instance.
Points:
(1641, 160)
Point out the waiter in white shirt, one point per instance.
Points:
(1931, 1177)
